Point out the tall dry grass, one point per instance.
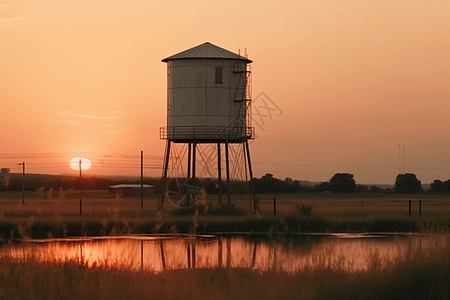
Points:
(329, 213)
(420, 272)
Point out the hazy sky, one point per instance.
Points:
(351, 80)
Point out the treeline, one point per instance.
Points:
(438, 186)
(339, 183)
(345, 183)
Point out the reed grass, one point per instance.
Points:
(64, 226)
(418, 273)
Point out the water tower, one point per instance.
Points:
(208, 115)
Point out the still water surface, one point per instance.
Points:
(288, 253)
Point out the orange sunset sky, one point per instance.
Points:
(352, 79)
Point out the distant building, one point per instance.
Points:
(131, 190)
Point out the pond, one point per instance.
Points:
(284, 253)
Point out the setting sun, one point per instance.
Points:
(85, 163)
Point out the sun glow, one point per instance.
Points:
(85, 163)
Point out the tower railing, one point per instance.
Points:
(206, 133)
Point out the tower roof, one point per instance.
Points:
(206, 50)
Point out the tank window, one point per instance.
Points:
(218, 75)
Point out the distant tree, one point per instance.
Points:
(322, 187)
(269, 184)
(296, 187)
(361, 188)
(268, 176)
(407, 183)
(375, 189)
(342, 183)
(446, 186)
(438, 186)
(288, 181)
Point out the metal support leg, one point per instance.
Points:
(194, 159)
(163, 181)
(189, 161)
(227, 163)
(250, 171)
(219, 174)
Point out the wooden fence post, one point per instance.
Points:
(274, 206)
(420, 207)
(93, 204)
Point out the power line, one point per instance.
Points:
(77, 153)
(344, 166)
(110, 160)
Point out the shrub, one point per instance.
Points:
(209, 209)
(227, 210)
(305, 210)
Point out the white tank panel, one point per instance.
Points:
(195, 96)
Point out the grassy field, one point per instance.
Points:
(416, 275)
(53, 215)
(328, 203)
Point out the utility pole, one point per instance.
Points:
(404, 170)
(23, 182)
(79, 187)
(142, 179)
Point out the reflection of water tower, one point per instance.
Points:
(208, 111)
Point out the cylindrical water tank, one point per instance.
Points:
(207, 94)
